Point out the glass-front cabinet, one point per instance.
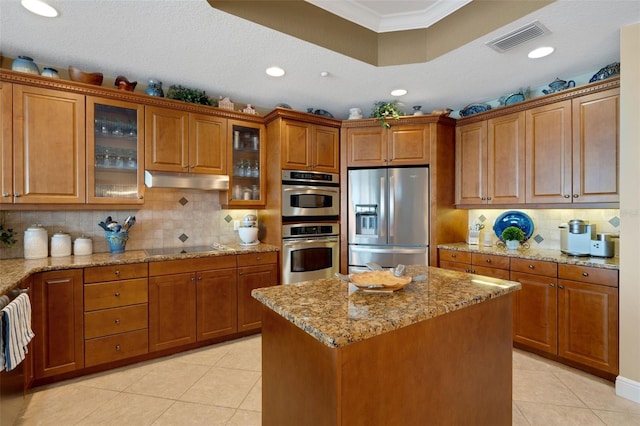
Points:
(115, 151)
(246, 164)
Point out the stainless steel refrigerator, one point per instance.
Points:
(388, 217)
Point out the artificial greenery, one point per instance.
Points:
(386, 110)
(7, 236)
(513, 233)
(185, 94)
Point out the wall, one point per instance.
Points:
(628, 383)
(546, 234)
(166, 216)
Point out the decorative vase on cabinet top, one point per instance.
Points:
(50, 72)
(154, 88)
(25, 64)
(558, 85)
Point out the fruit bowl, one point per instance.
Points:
(85, 77)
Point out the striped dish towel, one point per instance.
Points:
(17, 330)
(4, 301)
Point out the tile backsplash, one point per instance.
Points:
(168, 218)
(546, 234)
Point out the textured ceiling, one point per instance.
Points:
(188, 42)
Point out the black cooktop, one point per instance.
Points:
(171, 251)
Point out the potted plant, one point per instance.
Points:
(185, 94)
(386, 110)
(512, 236)
(7, 236)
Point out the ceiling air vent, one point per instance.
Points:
(519, 36)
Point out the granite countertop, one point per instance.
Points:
(537, 254)
(337, 314)
(14, 271)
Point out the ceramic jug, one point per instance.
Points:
(25, 64)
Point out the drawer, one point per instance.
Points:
(490, 260)
(180, 266)
(117, 347)
(588, 274)
(536, 267)
(257, 258)
(114, 294)
(455, 266)
(455, 256)
(115, 272)
(115, 320)
(491, 272)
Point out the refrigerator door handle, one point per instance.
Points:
(392, 208)
(383, 209)
(403, 250)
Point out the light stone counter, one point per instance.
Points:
(336, 314)
(14, 271)
(537, 254)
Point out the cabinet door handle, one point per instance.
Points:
(117, 294)
(193, 279)
(585, 274)
(575, 195)
(199, 278)
(140, 197)
(17, 195)
(560, 286)
(566, 196)
(552, 285)
(6, 194)
(117, 347)
(117, 321)
(489, 198)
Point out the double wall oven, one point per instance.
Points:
(310, 211)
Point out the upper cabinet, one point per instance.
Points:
(490, 161)
(308, 146)
(115, 151)
(400, 145)
(6, 143)
(49, 146)
(180, 141)
(559, 149)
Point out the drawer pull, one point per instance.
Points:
(257, 257)
(585, 274)
(488, 261)
(117, 321)
(117, 272)
(453, 255)
(531, 267)
(117, 347)
(117, 294)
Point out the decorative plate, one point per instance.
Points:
(323, 112)
(606, 72)
(283, 106)
(474, 109)
(513, 218)
(511, 99)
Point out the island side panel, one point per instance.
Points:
(451, 369)
(299, 376)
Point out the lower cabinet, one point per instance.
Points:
(254, 271)
(216, 308)
(57, 321)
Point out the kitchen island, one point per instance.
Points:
(435, 352)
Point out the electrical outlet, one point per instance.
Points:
(236, 225)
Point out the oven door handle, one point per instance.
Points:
(306, 189)
(298, 242)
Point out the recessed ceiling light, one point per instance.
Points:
(324, 74)
(398, 92)
(540, 52)
(275, 71)
(39, 7)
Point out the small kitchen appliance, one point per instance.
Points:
(602, 246)
(576, 236)
(248, 231)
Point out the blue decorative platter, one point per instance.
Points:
(323, 113)
(606, 72)
(474, 109)
(513, 218)
(511, 99)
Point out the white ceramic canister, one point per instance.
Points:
(82, 246)
(60, 244)
(36, 242)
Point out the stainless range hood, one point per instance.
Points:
(153, 179)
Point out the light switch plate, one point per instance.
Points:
(236, 225)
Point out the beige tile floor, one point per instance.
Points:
(221, 385)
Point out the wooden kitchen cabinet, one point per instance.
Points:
(588, 316)
(596, 147)
(217, 308)
(57, 321)
(48, 146)
(180, 141)
(307, 146)
(254, 271)
(6, 143)
(115, 313)
(401, 145)
(475, 263)
(490, 161)
(115, 151)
